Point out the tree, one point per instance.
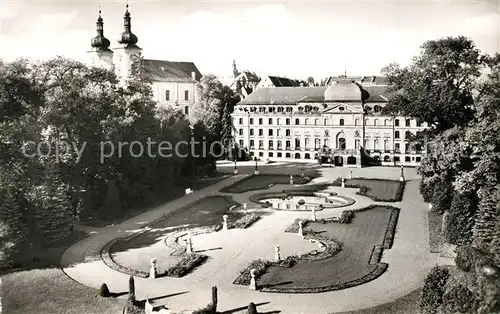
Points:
(227, 133)
(310, 80)
(437, 87)
(433, 291)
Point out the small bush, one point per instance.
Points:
(134, 307)
(260, 267)
(288, 262)
(267, 204)
(301, 202)
(104, 291)
(466, 256)
(209, 309)
(346, 216)
(433, 291)
(131, 288)
(252, 309)
(363, 190)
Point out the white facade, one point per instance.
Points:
(337, 128)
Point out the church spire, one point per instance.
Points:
(127, 38)
(100, 42)
(235, 70)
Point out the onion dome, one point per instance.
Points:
(127, 37)
(100, 42)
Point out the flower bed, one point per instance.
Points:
(263, 181)
(185, 265)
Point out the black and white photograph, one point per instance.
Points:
(245, 157)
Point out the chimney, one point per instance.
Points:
(193, 75)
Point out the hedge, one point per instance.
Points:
(433, 291)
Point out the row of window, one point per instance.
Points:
(308, 156)
(341, 144)
(387, 122)
(270, 132)
(167, 95)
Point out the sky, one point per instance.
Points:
(296, 39)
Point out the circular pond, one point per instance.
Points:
(317, 201)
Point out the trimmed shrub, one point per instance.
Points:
(214, 298)
(104, 291)
(458, 299)
(288, 262)
(260, 267)
(346, 216)
(426, 190)
(131, 288)
(466, 257)
(134, 307)
(363, 190)
(441, 197)
(245, 221)
(301, 202)
(252, 309)
(433, 291)
(209, 309)
(461, 219)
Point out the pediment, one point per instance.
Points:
(343, 108)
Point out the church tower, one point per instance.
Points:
(100, 54)
(127, 52)
(235, 70)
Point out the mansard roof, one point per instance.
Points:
(292, 95)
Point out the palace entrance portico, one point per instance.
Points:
(341, 157)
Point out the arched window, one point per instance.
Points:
(386, 145)
(241, 120)
(307, 142)
(386, 122)
(317, 143)
(287, 132)
(356, 144)
(341, 122)
(278, 132)
(375, 122)
(297, 143)
(251, 132)
(270, 132)
(240, 131)
(261, 144)
(366, 121)
(260, 120)
(326, 142)
(325, 122)
(356, 121)
(316, 121)
(287, 121)
(297, 121)
(306, 121)
(279, 144)
(396, 134)
(261, 132)
(270, 121)
(287, 145)
(376, 143)
(278, 121)
(251, 120)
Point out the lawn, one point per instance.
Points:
(262, 181)
(174, 194)
(357, 238)
(135, 253)
(376, 189)
(435, 239)
(50, 291)
(408, 304)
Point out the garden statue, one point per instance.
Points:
(244, 207)
(224, 223)
(300, 232)
(430, 206)
(313, 216)
(153, 273)
(277, 256)
(350, 174)
(402, 177)
(235, 171)
(343, 182)
(256, 171)
(291, 179)
(189, 245)
(253, 283)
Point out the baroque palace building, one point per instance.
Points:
(173, 83)
(333, 123)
